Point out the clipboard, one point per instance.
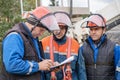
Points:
(68, 60)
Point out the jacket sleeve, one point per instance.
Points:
(117, 61)
(13, 53)
(81, 66)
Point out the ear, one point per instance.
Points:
(104, 30)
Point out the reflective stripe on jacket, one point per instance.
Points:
(103, 68)
(30, 56)
(60, 54)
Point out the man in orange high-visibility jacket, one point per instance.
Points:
(58, 47)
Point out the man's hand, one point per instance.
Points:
(58, 68)
(45, 64)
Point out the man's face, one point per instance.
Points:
(61, 33)
(38, 31)
(96, 33)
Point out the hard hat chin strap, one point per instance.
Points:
(33, 27)
(33, 21)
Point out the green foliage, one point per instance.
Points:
(9, 8)
(28, 5)
(10, 14)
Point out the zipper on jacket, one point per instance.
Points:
(95, 66)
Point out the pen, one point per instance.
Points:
(42, 59)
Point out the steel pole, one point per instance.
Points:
(21, 5)
(71, 6)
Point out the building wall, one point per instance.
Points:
(66, 3)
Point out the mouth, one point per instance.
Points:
(57, 33)
(93, 35)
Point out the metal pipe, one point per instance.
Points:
(21, 5)
(71, 6)
(61, 2)
(40, 3)
(89, 5)
(36, 3)
(113, 24)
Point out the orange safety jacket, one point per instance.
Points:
(60, 52)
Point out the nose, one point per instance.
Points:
(93, 31)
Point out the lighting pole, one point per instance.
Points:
(21, 5)
(71, 6)
(36, 3)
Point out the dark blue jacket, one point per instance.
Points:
(21, 54)
(95, 52)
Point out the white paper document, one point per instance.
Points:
(68, 60)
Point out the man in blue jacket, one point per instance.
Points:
(102, 56)
(22, 54)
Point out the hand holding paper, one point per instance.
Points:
(68, 60)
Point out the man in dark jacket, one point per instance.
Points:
(22, 54)
(102, 56)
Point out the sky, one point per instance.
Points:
(95, 5)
